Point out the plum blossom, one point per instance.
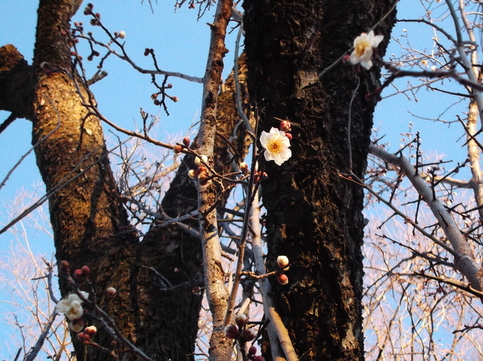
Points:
(364, 46)
(277, 146)
(71, 306)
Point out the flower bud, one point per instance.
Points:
(111, 292)
(85, 270)
(252, 350)
(91, 330)
(64, 266)
(249, 334)
(282, 262)
(78, 274)
(193, 173)
(200, 160)
(241, 320)
(285, 126)
(122, 34)
(346, 60)
(177, 149)
(282, 279)
(231, 331)
(186, 141)
(244, 167)
(203, 178)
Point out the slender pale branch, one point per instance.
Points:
(216, 291)
(464, 258)
(275, 326)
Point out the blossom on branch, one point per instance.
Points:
(71, 306)
(364, 46)
(277, 146)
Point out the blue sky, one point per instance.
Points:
(180, 43)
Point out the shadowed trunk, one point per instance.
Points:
(313, 214)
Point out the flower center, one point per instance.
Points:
(274, 146)
(361, 47)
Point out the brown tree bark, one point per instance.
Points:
(313, 214)
(89, 222)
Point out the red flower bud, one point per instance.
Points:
(285, 126)
(64, 266)
(241, 320)
(282, 279)
(177, 149)
(78, 274)
(231, 331)
(203, 178)
(85, 270)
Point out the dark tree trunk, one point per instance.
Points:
(313, 214)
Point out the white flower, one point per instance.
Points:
(122, 34)
(277, 146)
(363, 48)
(72, 306)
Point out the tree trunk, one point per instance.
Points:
(313, 213)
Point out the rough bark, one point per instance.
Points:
(88, 218)
(313, 215)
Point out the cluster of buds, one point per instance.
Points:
(178, 148)
(72, 304)
(259, 176)
(155, 96)
(86, 336)
(81, 273)
(96, 17)
(239, 331)
(282, 265)
(286, 127)
(201, 171)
